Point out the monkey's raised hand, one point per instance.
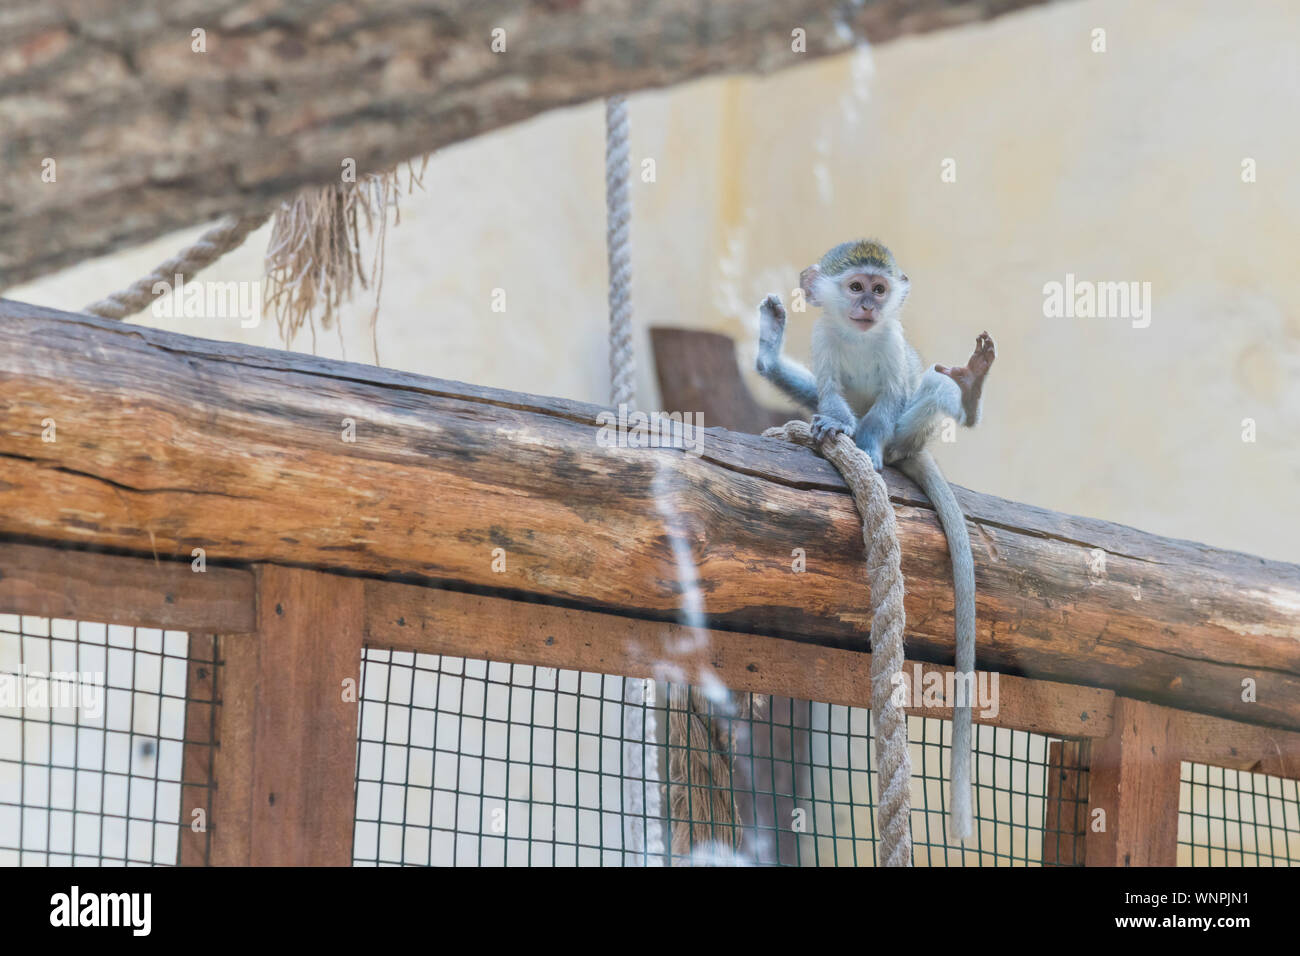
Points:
(786, 374)
(771, 332)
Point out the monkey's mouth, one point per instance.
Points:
(865, 322)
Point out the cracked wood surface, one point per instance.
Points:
(149, 136)
(166, 443)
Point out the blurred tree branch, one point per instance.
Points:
(161, 114)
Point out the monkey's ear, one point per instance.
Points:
(808, 282)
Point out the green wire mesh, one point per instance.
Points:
(472, 762)
(93, 779)
(483, 763)
(1237, 818)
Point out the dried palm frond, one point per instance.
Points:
(314, 261)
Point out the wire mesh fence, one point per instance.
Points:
(474, 762)
(106, 758)
(1237, 818)
(465, 762)
(92, 743)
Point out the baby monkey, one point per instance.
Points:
(868, 382)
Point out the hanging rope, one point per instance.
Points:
(229, 234)
(642, 834)
(618, 243)
(701, 741)
(880, 535)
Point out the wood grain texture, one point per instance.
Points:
(232, 765)
(198, 752)
(304, 732)
(1134, 777)
(1065, 825)
(431, 621)
(1237, 746)
(150, 136)
(167, 442)
(117, 589)
(697, 370)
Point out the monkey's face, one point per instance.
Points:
(868, 298)
(863, 295)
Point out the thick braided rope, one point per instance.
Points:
(228, 234)
(618, 241)
(880, 535)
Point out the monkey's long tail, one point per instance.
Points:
(924, 470)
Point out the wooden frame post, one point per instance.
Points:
(286, 763)
(1134, 780)
(1065, 828)
(197, 754)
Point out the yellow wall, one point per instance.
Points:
(1123, 165)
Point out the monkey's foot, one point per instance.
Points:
(970, 377)
(824, 426)
(872, 449)
(866, 438)
(771, 331)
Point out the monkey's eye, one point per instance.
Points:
(855, 286)
(878, 289)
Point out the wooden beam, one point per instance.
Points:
(148, 135)
(117, 589)
(304, 741)
(430, 621)
(166, 442)
(1238, 746)
(1134, 779)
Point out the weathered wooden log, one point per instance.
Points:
(163, 443)
(148, 135)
